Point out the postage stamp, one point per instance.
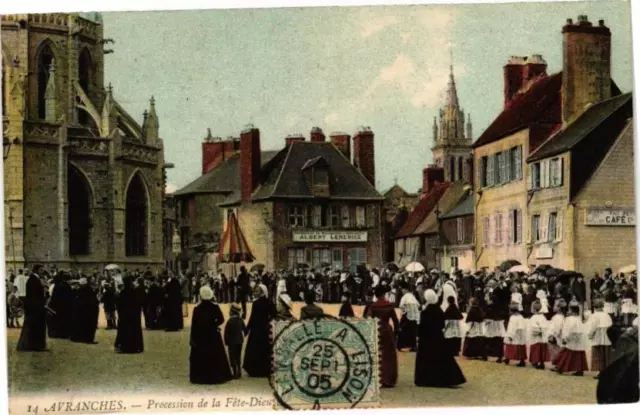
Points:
(326, 363)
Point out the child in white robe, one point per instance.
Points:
(572, 357)
(538, 330)
(516, 296)
(541, 295)
(515, 340)
(554, 335)
(597, 327)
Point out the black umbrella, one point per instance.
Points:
(553, 272)
(392, 266)
(542, 269)
(506, 265)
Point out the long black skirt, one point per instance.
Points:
(210, 365)
(407, 334)
(454, 344)
(495, 346)
(474, 347)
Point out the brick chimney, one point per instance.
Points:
(317, 136)
(519, 72)
(513, 72)
(249, 161)
(430, 176)
(215, 151)
(586, 69)
(364, 154)
(293, 137)
(342, 141)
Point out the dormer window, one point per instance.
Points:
(316, 171)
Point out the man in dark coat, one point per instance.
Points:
(141, 291)
(466, 290)
(33, 337)
(85, 314)
(172, 307)
(243, 288)
(594, 288)
(61, 303)
(154, 305)
(129, 337)
(618, 382)
(579, 292)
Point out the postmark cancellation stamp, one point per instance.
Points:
(327, 363)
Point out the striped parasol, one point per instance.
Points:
(233, 247)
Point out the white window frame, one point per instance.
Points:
(361, 219)
(490, 171)
(296, 216)
(486, 231)
(536, 177)
(345, 218)
(498, 228)
(535, 228)
(552, 235)
(555, 172)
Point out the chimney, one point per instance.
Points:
(364, 154)
(586, 71)
(513, 72)
(293, 137)
(249, 161)
(430, 176)
(534, 67)
(215, 151)
(342, 141)
(317, 136)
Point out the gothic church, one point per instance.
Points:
(83, 180)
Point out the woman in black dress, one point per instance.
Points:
(129, 335)
(208, 363)
(435, 365)
(257, 357)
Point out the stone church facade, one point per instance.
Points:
(83, 180)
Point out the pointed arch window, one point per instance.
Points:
(79, 212)
(44, 61)
(136, 218)
(85, 73)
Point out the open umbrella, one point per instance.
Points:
(233, 247)
(519, 268)
(627, 269)
(553, 272)
(414, 267)
(508, 264)
(392, 266)
(257, 268)
(542, 269)
(112, 267)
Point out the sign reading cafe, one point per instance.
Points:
(611, 217)
(329, 236)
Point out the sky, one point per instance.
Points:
(288, 70)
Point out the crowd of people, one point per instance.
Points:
(545, 316)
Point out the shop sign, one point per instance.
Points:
(329, 236)
(544, 252)
(611, 217)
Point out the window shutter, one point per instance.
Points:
(490, 165)
(519, 162)
(531, 174)
(560, 171)
(507, 166)
(559, 224)
(507, 235)
(544, 174)
(544, 228)
(518, 238)
(481, 168)
(497, 167)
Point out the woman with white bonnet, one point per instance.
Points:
(257, 357)
(435, 365)
(208, 363)
(283, 303)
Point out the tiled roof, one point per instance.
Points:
(284, 178)
(223, 179)
(541, 103)
(584, 125)
(449, 199)
(463, 208)
(422, 209)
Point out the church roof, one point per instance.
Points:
(422, 209)
(283, 178)
(452, 93)
(449, 199)
(223, 179)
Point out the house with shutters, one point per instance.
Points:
(581, 192)
(536, 160)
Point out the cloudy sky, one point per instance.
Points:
(287, 70)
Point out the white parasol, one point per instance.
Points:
(414, 267)
(112, 267)
(519, 268)
(627, 269)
